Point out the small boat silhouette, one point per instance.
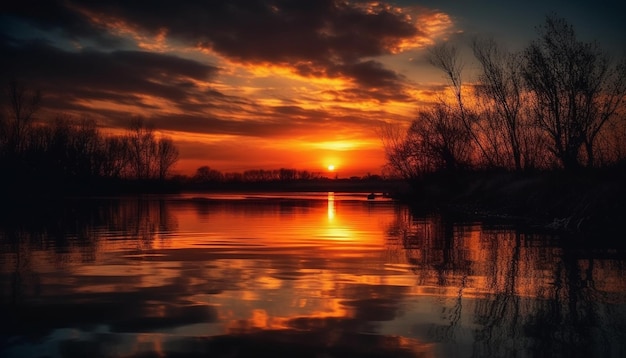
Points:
(371, 196)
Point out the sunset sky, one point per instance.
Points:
(261, 84)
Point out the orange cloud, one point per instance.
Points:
(432, 25)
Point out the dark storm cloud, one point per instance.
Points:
(52, 16)
(122, 70)
(261, 125)
(371, 74)
(77, 53)
(370, 81)
(118, 76)
(270, 30)
(70, 80)
(275, 122)
(315, 37)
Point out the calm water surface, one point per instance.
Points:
(297, 275)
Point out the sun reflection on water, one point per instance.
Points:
(351, 274)
(331, 206)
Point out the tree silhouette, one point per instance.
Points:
(446, 58)
(439, 139)
(70, 154)
(575, 89)
(501, 85)
(20, 113)
(167, 156)
(553, 104)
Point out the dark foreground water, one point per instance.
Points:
(297, 275)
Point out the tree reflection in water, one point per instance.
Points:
(299, 277)
(531, 294)
(75, 231)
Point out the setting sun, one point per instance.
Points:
(331, 168)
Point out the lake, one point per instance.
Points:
(298, 275)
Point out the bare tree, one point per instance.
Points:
(86, 146)
(439, 139)
(446, 58)
(21, 108)
(143, 149)
(116, 156)
(576, 90)
(501, 86)
(436, 140)
(401, 160)
(167, 156)
(205, 174)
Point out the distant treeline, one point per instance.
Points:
(557, 104)
(206, 178)
(70, 155)
(207, 175)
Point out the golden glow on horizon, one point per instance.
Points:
(307, 97)
(268, 87)
(272, 153)
(333, 161)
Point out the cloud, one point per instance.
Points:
(54, 17)
(270, 31)
(69, 79)
(119, 70)
(371, 74)
(272, 73)
(165, 88)
(153, 80)
(175, 94)
(313, 37)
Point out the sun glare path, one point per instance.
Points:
(331, 205)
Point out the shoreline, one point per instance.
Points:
(590, 202)
(586, 201)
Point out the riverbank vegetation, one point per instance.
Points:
(590, 201)
(538, 133)
(68, 155)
